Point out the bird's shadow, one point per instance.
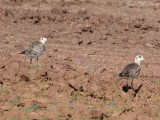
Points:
(126, 88)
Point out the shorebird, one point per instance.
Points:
(131, 71)
(35, 49)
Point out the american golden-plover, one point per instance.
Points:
(35, 49)
(131, 71)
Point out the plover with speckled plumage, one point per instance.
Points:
(35, 49)
(131, 71)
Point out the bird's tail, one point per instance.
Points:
(22, 52)
(120, 75)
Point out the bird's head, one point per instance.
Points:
(138, 59)
(43, 40)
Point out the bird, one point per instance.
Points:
(131, 71)
(35, 49)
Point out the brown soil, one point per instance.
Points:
(89, 42)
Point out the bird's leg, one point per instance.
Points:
(31, 60)
(37, 61)
(127, 82)
(132, 83)
(24, 60)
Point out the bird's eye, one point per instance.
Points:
(139, 56)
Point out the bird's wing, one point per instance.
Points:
(131, 70)
(35, 48)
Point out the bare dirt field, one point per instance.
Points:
(89, 43)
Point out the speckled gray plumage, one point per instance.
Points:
(130, 71)
(34, 49)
